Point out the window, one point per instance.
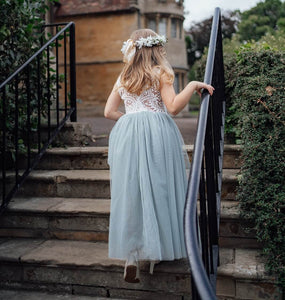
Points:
(180, 29)
(176, 83)
(173, 28)
(151, 24)
(162, 25)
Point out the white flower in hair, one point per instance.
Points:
(129, 47)
(128, 50)
(151, 41)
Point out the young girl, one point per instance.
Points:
(146, 157)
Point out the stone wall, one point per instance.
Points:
(99, 37)
(98, 56)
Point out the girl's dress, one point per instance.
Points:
(148, 164)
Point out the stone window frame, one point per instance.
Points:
(156, 17)
(162, 21)
(179, 80)
(179, 32)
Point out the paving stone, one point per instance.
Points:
(14, 249)
(33, 295)
(10, 272)
(77, 205)
(230, 209)
(249, 290)
(226, 287)
(247, 265)
(68, 263)
(35, 286)
(88, 219)
(75, 158)
(80, 253)
(91, 223)
(239, 242)
(67, 183)
(96, 157)
(29, 295)
(36, 204)
(232, 156)
(137, 294)
(3, 240)
(92, 184)
(89, 290)
(226, 256)
(252, 262)
(171, 282)
(86, 189)
(79, 235)
(23, 221)
(72, 253)
(59, 205)
(24, 232)
(234, 227)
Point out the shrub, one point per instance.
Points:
(20, 38)
(258, 97)
(255, 117)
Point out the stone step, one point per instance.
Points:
(58, 218)
(34, 295)
(91, 183)
(96, 158)
(83, 268)
(88, 219)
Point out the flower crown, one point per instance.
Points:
(129, 47)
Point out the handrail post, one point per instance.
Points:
(72, 57)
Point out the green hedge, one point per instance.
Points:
(258, 95)
(255, 118)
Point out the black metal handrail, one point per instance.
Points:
(201, 230)
(45, 108)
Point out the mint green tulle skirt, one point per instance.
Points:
(148, 166)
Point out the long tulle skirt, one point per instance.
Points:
(148, 166)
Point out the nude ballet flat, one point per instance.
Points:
(132, 271)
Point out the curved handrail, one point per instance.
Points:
(202, 282)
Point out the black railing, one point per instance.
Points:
(201, 224)
(36, 101)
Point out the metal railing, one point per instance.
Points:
(36, 101)
(201, 224)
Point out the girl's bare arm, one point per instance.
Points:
(112, 105)
(175, 103)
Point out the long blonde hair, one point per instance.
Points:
(146, 67)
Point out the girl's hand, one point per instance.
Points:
(201, 85)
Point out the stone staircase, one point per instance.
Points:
(53, 238)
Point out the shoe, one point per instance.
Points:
(152, 263)
(132, 271)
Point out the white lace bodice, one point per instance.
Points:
(148, 100)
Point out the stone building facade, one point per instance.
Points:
(102, 26)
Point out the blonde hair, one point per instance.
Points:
(146, 67)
